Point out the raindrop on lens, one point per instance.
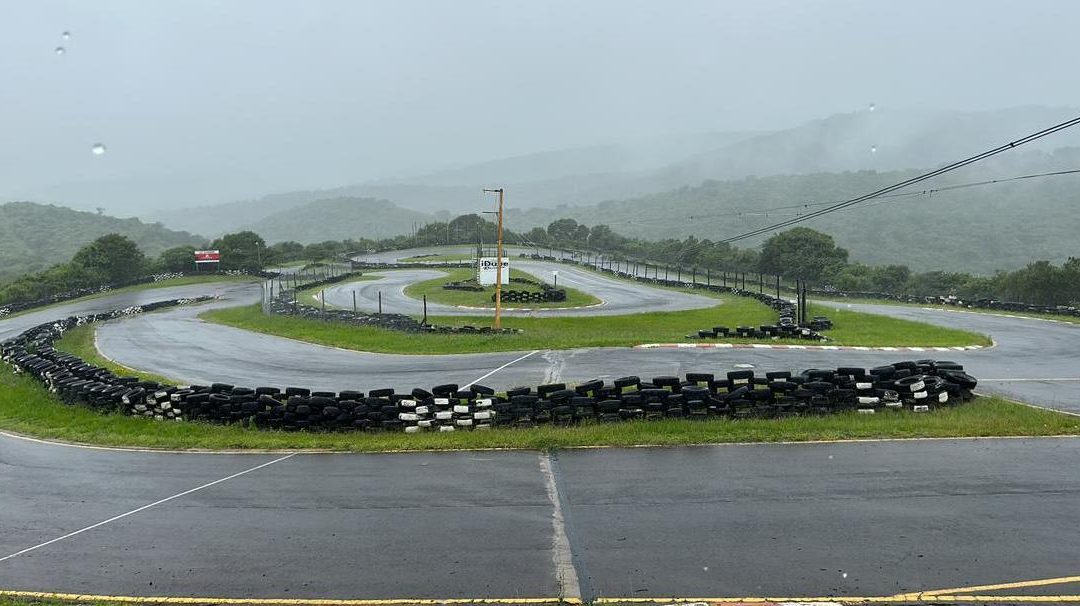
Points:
(873, 149)
(60, 50)
(66, 35)
(844, 575)
(98, 149)
(872, 107)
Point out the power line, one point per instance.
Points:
(922, 192)
(930, 175)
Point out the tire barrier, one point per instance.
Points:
(16, 307)
(469, 286)
(916, 386)
(546, 295)
(285, 303)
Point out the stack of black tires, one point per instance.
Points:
(547, 295)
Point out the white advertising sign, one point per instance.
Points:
(485, 271)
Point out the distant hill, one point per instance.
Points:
(338, 219)
(979, 229)
(36, 236)
(882, 140)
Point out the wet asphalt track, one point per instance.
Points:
(865, 519)
(761, 520)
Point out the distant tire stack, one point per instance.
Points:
(550, 295)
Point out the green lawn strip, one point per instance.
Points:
(954, 308)
(873, 330)
(439, 258)
(27, 408)
(537, 333)
(80, 341)
(853, 328)
(181, 281)
(437, 294)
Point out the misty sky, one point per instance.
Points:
(236, 98)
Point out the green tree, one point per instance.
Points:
(242, 250)
(111, 258)
(177, 258)
(801, 253)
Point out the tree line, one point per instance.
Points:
(799, 253)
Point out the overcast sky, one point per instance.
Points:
(257, 96)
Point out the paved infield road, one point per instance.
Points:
(1033, 360)
(618, 297)
(864, 519)
(870, 518)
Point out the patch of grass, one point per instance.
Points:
(27, 408)
(853, 328)
(182, 281)
(872, 330)
(80, 341)
(537, 333)
(482, 298)
(447, 258)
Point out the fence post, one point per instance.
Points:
(380, 302)
(678, 274)
(777, 286)
(354, 301)
(708, 277)
(760, 283)
(425, 311)
(744, 280)
(666, 270)
(322, 299)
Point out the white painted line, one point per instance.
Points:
(475, 381)
(562, 556)
(145, 507)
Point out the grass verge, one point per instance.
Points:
(447, 258)
(873, 330)
(27, 408)
(853, 328)
(538, 333)
(482, 298)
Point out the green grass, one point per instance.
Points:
(27, 408)
(853, 328)
(538, 333)
(437, 294)
(80, 341)
(182, 281)
(448, 258)
(872, 330)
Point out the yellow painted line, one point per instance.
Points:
(75, 597)
(905, 599)
(1016, 585)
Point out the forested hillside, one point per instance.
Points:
(979, 229)
(36, 236)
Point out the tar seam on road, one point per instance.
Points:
(145, 507)
(510, 363)
(574, 580)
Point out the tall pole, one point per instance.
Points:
(498, 261)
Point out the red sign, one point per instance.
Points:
(207, 256)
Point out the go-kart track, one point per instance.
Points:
(837, 520)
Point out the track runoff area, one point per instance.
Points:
(927, 521)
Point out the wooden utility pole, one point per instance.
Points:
(498, 260)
